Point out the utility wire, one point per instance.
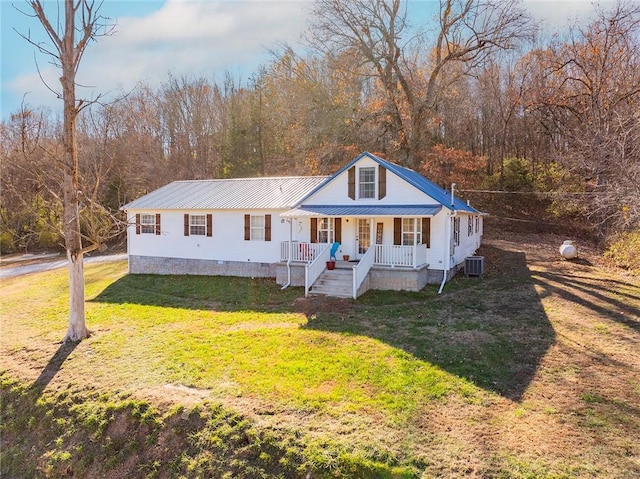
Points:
(539, 193)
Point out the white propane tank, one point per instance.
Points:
(568, 250)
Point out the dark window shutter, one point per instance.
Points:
(247, 227)
(137, 223)
(157, 223)
(314, 230)
(382, 182)
(426, 231)
(337, 226)
(352, 182)
(397, 231)
(186, 224)
(267, 227)
(209, 225)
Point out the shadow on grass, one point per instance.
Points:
(53, 366)
(221, 293)
(492, 331)
(589, 293)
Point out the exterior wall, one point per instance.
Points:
(399, 192)
(164, 265)
(469, 244)
(226, 244)
(437, 253)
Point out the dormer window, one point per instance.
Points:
(367, 182)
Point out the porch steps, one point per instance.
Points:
(337, 282)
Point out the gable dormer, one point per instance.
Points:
(367, 182)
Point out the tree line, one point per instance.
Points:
(530, 127)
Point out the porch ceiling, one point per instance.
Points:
(362, 210)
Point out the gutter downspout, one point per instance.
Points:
(447, 252)
(447, 234)
(289, 255)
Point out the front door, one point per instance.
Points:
(363, 237)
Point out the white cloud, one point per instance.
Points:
(184, 37)
(558, 14)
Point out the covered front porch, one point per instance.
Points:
(360, 239)
(398, 235)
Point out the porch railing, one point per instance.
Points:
(405, 256)
(301, 251)
(361, 270)
(314, 269)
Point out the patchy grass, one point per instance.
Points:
(531, 371)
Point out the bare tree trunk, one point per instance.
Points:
(71, 204)
(77, 327)
(67, 53)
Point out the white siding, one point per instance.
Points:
(226, 244)
(469, 244)
(437, 254)
(399, 192)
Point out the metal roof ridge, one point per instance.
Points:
(252, 178)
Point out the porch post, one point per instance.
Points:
(415, 241)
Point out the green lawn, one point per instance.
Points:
(386, 386)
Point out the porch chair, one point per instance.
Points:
(334, 250)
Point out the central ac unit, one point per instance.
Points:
(474, 265)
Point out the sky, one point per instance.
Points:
(194, 38)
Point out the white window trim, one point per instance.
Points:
(456, 230)
(197, 229)
(257, 233)
(415, 230)
(330, 230)
(374, 182)
(147, 223)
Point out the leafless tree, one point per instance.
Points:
(67, 43)
(468, 32)
(589, 91)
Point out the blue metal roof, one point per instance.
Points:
(363, 210)
(414, 178)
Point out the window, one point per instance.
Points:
(411, 231)
(367, 182)
(147, 224)
(257, 228)
(197, 225)
(477, 224)
(470, 226)
(456, 231)
(325, 230)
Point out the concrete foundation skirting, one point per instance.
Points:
(297, 274)
(382, 278)
(159, 265)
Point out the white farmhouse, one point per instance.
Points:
(386, 227)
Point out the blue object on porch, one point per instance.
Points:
(334, 250)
